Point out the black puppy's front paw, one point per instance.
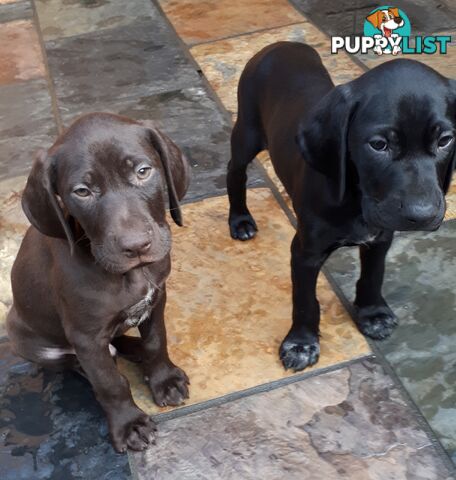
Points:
(242, 227)
(376, 321)
(168, 385)
(298, 355)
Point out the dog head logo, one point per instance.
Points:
(390, 23)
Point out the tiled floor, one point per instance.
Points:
(352, 416)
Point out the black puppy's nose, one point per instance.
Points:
(134, 246)
(421, 214)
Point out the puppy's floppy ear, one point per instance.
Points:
(323, 137)
(375, 18)
(395, 12)
(175, 167)
(39, 200)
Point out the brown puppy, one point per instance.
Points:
(95, 261)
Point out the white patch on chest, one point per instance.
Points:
(137, 313)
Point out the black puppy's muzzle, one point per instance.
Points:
(395, 214)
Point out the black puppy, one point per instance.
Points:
(358, 161)
(94, 263)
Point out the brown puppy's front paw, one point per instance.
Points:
(168, 384)
(136, 434)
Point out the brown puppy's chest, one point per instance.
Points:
(135, 314)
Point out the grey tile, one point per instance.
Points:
(420, 286)
(21, 10)
(95, 70)
(26, 124)
(68, 18)
(194, 121)
(348, 424)
(51, 426)
(347, 18)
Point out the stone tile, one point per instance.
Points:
(19, 10)
(222, 62)
(347, 18)
(20, 53)
(97, 69)
(194, 121)
(444, 64)
(26, 124)
(198, 22)
(229, 304)
(60, 19)
(348, 424)
(51, 426)
(13, 225)
(420, 288)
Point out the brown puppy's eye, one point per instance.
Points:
(378, 145)
(82, 192)
(143, 172)
(445, 141)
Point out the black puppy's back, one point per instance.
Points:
(277, 88)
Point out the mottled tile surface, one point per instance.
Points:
(20, 53)
(194, 121)
(347, 17)
(51, 426)
(19, 10)
(75, 17)
(229, 303)
(222, 62)
(348, 424)
(203, 21)
(98, 69)
(26, 124)
(420, 287)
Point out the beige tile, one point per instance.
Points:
(451, 201)
(20, 53)
(13, 225)
(444, 64)
(229, 304)
(222, 62)
(202, 21)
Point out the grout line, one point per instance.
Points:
(389, 369)
(262, 388)
(50, 83)
(244, 34)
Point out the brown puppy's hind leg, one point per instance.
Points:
(130, 348)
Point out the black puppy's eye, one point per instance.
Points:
(379, 145)
(143, 172)
(82, 192)
(445, 141)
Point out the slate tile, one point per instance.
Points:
(347, 18)
(20, 52)
(60, 19)
(229, 304)
(348, 424)
(198, 22)
(97, 69)
(17, 10)
(51, 426)
(420, 287)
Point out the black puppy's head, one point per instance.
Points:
(104, 182)
(393, 129)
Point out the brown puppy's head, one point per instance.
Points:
(104, 182)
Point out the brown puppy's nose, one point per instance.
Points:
(134, 246)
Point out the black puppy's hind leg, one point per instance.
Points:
(374, 318)
(245, 144)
